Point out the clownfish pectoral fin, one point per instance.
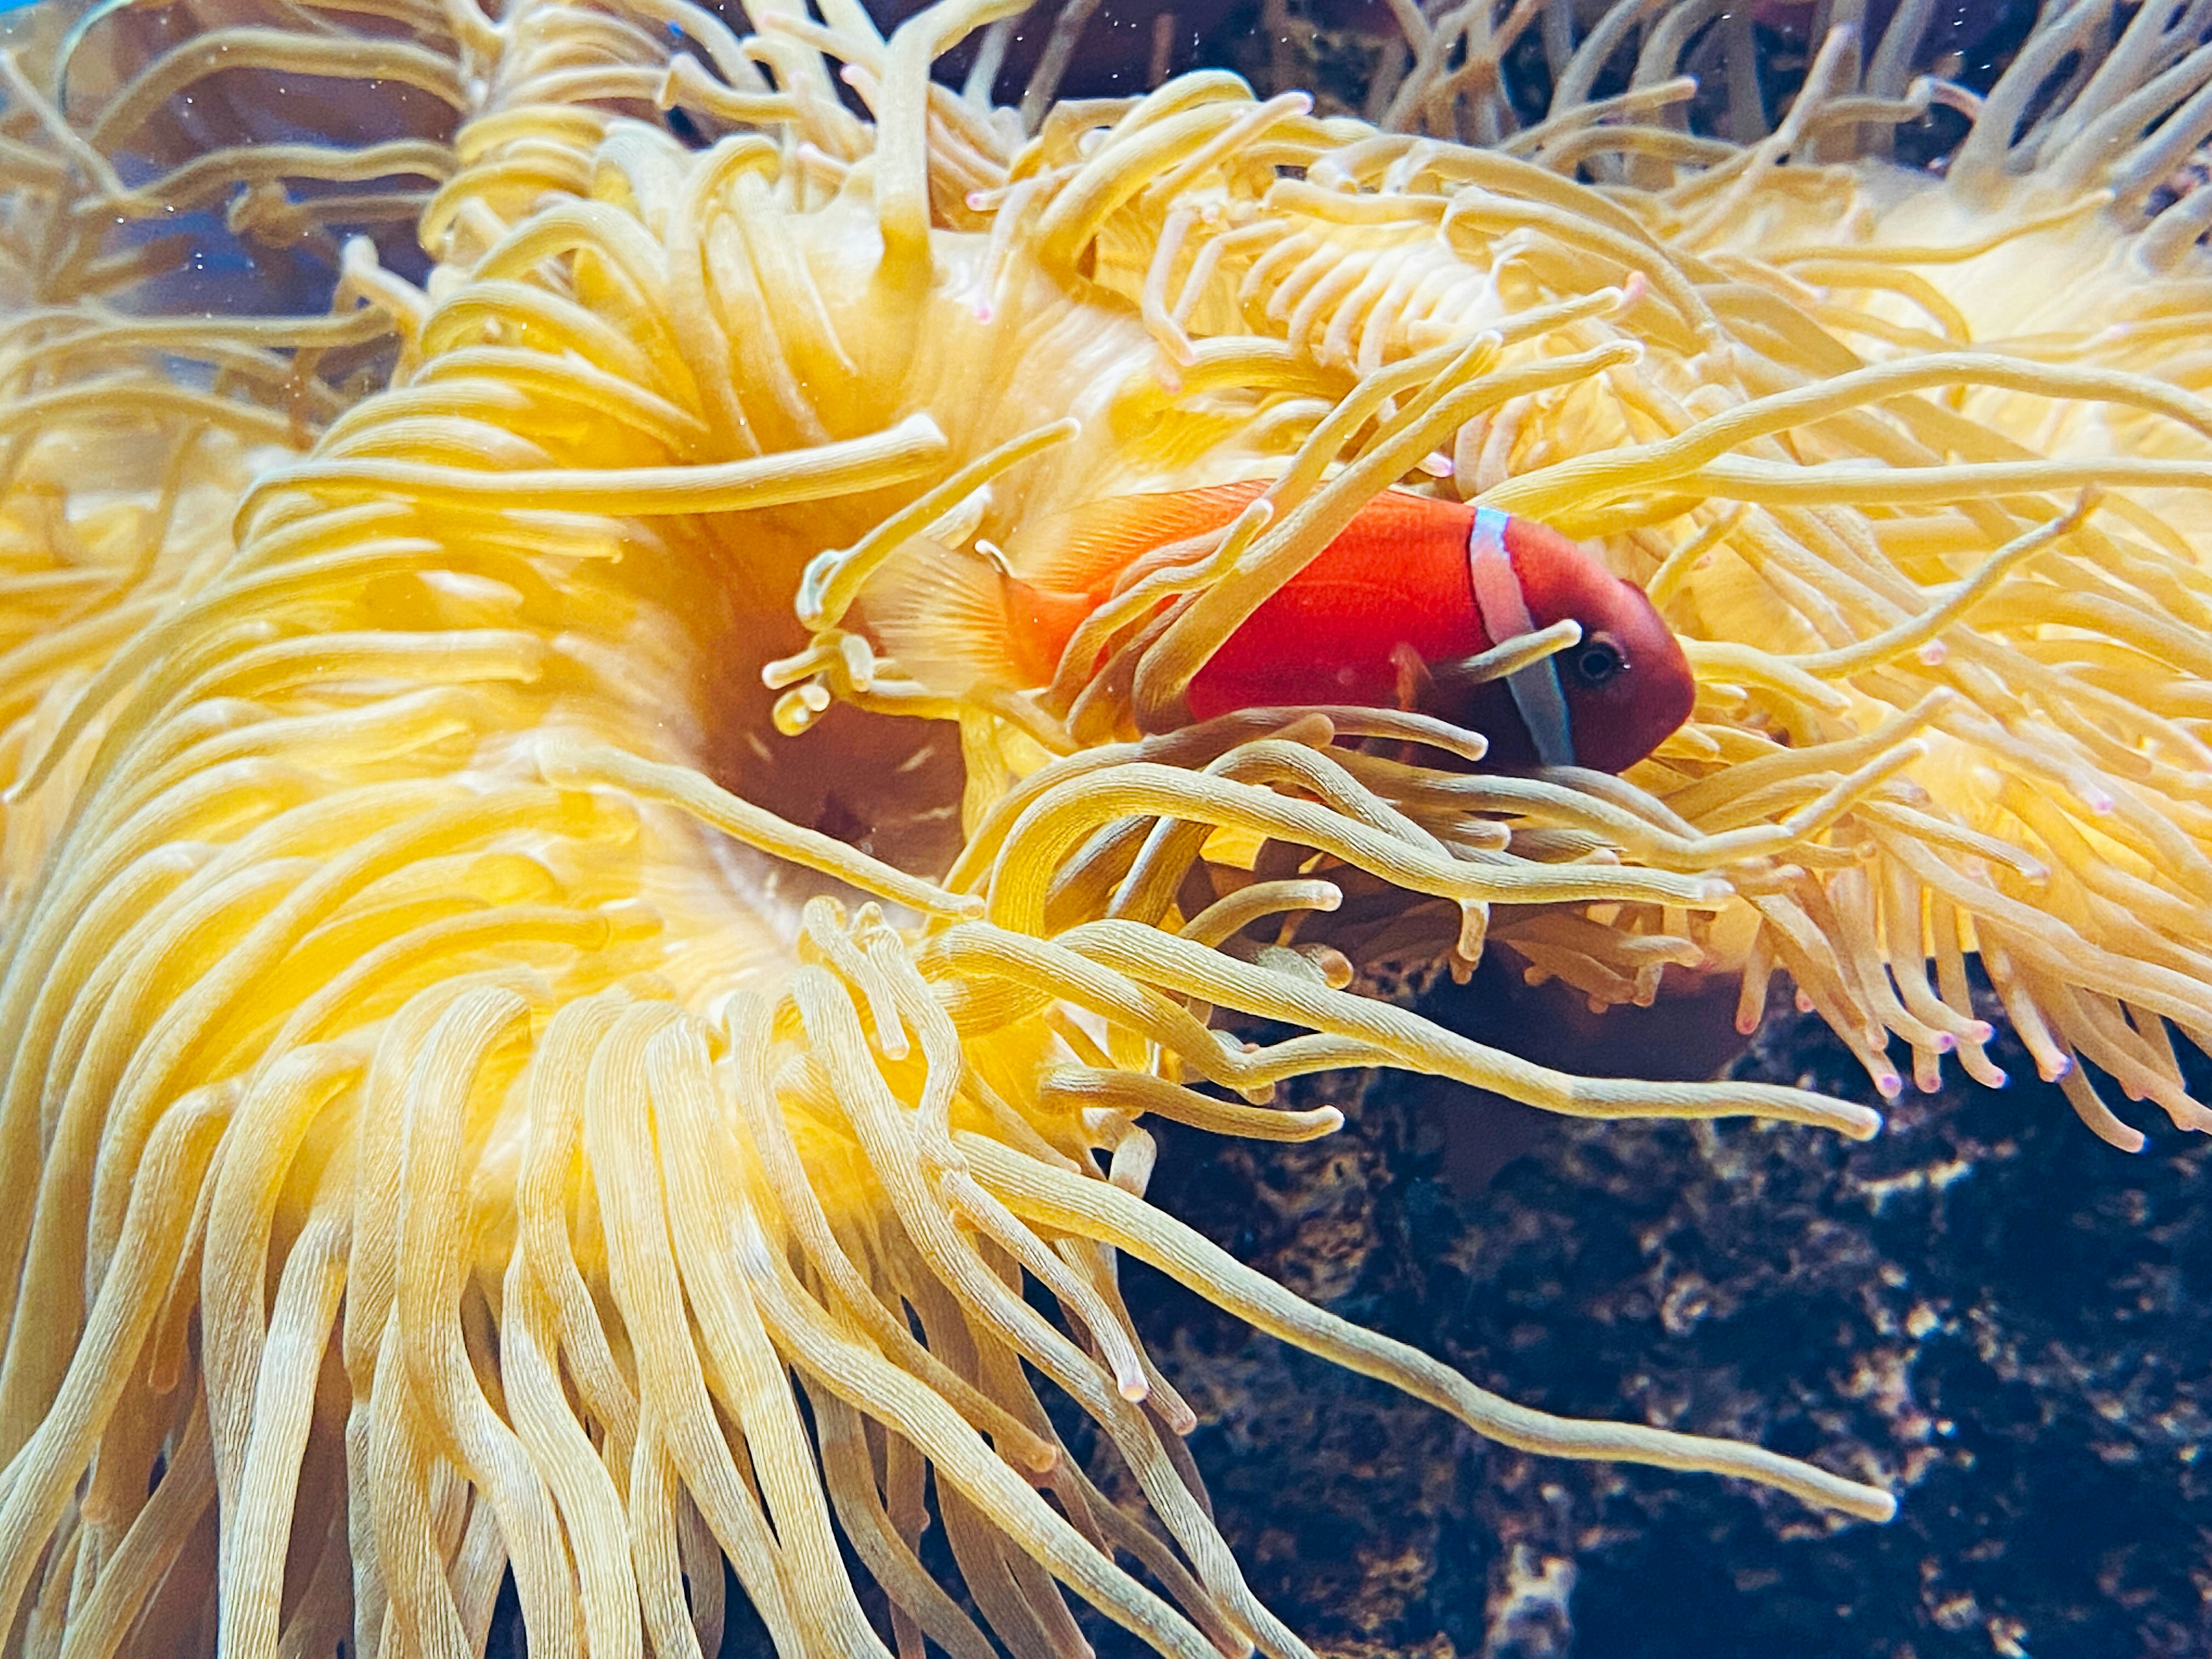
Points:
(1416, 685)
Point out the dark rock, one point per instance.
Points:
(1985, 1307)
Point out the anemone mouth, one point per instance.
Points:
(434, 1151)
(888, 788)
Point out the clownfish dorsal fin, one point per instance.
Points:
(1084, 549)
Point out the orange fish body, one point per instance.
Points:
(1441, 579)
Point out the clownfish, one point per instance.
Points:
(1412, 583)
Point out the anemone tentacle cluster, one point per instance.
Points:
(1931, 535)
(450, 1127)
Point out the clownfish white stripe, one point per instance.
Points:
(1504, 609)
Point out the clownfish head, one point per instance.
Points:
(1622, 690)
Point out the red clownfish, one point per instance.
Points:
(1412, 581)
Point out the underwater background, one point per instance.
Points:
(2011, 1319)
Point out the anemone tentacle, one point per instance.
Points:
(452, 1126)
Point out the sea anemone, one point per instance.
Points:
(454, 1126)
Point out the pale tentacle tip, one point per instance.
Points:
(1889, 1085)
(1135, 1389)
(1857, 1122)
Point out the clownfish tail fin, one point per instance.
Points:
(942, 615)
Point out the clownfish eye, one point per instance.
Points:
(1597, 661)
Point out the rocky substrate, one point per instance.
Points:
(2007, 1322)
